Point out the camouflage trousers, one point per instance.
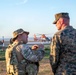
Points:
(31, 69)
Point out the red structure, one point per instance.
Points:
(35, 38)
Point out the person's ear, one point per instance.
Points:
(61, 21)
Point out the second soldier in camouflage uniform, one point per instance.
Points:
(63, 47)
(20, 58)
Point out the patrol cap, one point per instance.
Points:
(59, 15)
(18, 32)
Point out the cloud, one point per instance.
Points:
(21, 3)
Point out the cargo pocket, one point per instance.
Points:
(21, 69)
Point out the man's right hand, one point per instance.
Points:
(35, 47)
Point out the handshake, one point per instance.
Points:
(36, 47)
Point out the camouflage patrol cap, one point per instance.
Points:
(59, 15)
(18, 32)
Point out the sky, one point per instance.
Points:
(35, 16)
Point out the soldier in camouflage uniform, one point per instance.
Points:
(63, 47)
(20, 58)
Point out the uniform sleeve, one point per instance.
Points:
(7, 58)
(7, 54)
(29, 55)
(54, 52)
